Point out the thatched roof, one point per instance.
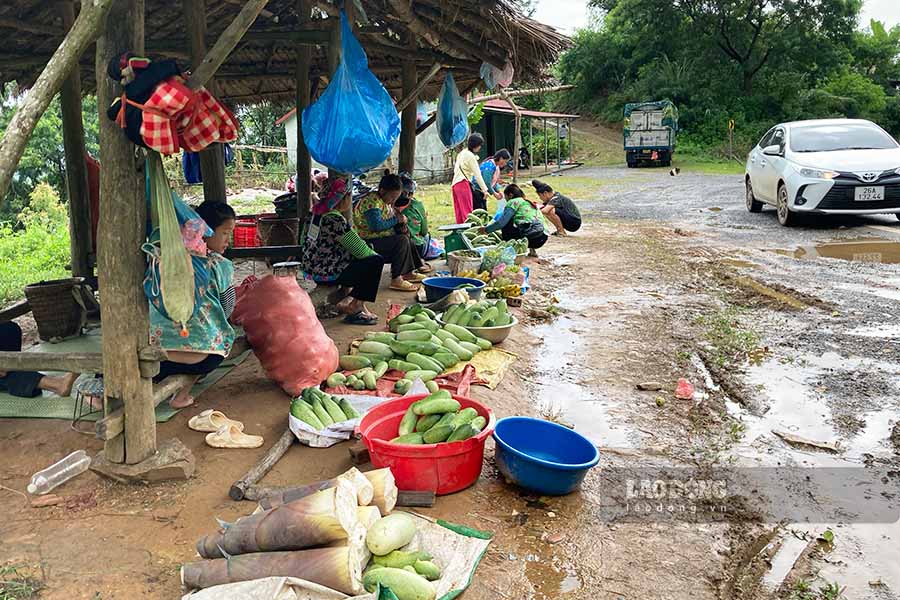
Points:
(460, 34)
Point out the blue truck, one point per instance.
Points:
(649, 133)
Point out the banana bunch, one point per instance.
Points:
(503, 291)
(483, 276)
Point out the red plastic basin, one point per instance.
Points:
(439, 468)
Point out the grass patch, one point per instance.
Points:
(803, 590)
(730, 342)
(16, 586)
(709, 166)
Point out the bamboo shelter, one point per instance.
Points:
(243, 51)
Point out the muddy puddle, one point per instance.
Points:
(870, 250)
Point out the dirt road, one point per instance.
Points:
(670, 278)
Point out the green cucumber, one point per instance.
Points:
(428, 324)
(424, 362)
(409, 438)
(447, 314)
(402, 386)
(352, 362)
(422, 317)
(351, 380)
(446, 419)
(399, 559)
(461, 332)
(445, 359)
(380, 368)
(360, 385)
(410, 327)
(463, 432)
(373, 358)
(373, 347)
(321, 413)
(444, 335)
(349, 411)
(431, 386)
(370, 381)
(467, 317)
(416, 335)
(471, 347)
(501, 306)
(405, 585)
(402, 365)
(483, 343)
(478, 423)
(502, 320)
(334, 411)
(424, 375)
(380, 336)
(413, 310)
(460, 352)
(438, 403)
(436, 435)
(436, 341)
(409, 420)
(336, 379)
(488, 315)
(464, 416)
(404, 348)
(301, 410)
(426, 422)
(427, 569)
(428, 312)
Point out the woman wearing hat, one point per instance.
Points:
(334, 253)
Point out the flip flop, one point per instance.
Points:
(426, 268)
(414, 277)
(405, 287)
(229, 436)
(212, 420)
(361, 318)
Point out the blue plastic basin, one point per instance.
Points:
(542, 456)
(438, 287)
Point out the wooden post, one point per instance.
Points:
(546, 150)
(84, 31)
(212, 159)
(120, 262)
(530, 146)
(558, 147)
(516, 141)
(407, 154)
(76, 167)
(303, 161)
(334, 60)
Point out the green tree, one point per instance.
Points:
(876, 51)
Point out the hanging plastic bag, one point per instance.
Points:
(493, 77)
(170, 274)
(421, 113)
(452, 114)
(354, 125)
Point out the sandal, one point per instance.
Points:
(229, 436)
(212, 420)
(426, 268)
(361, 318)
(414, 277)
(404, 286)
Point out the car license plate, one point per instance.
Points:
(868, 194)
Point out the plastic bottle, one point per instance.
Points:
(59, 473)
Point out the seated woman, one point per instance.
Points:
(416, 219)
(375, 219)
(28, 384)
(558, 209)
(490, 172)
(519, 219)
(334, 253)
(209, 335)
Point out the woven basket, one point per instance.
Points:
(58, 307)
(275, 231)
(458, 263)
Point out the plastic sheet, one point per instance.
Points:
(452, 115)
(281, 325)
(354, 125)
(494, 77)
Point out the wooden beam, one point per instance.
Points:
(70, 362)
(303, 161)
(412, 95)
(120, 263)
(112, 425)
(263, 13)
(516, 140)
(226, 43)
(14, 311)
(80, 246)
(309, 37)
(33, 28)
(404, 10)
(85, 30)
(212, 158)
(517, 93)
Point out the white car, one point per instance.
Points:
(829, 166)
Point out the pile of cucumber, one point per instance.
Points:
(319, 410)
(416, 345)
(436, 419)
(487, 313)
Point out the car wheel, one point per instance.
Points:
(897, 215)
(753, 205)
(786, 216)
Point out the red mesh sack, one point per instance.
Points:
(281, 324)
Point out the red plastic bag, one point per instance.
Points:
(287, 337)
(684, 390)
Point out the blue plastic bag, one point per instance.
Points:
(354, 125)
(452, 115)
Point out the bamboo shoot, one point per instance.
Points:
(363, 487)
(368, 515)
(385, 497)
(336, 568)
(357, 544)
(321, 518)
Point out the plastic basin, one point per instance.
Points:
(438, 287)
(541, 456)
(494, 335)
(439, 468)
